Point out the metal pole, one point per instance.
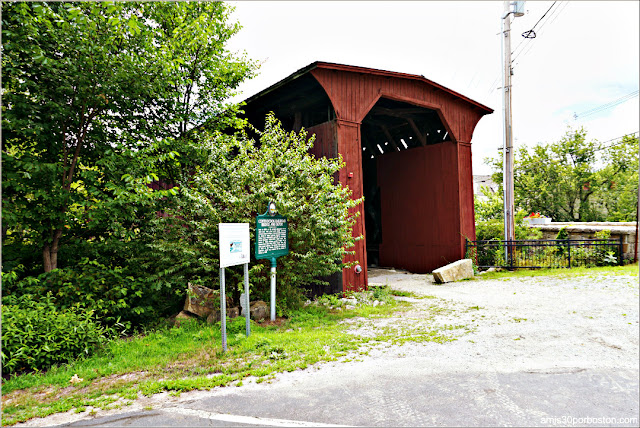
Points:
(223, 311)
(635, 251)
(273, 289)
(507, 143)
(247, 314)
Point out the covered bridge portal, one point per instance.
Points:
(406, 143)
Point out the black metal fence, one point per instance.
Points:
(549, 253)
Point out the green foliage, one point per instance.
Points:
(36, 335)
(85, 83)
(96, 99)
(574, 179)
(489, 206)
(610, 259)
(563, 233)
(493, 229)
(113, 296)
(234, 182)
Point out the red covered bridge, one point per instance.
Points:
(406, 142)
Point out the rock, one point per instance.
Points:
(259, 310)
(183, 315)
(455, 271)
(76, 379)
(350, 300)
(214, 316)
(233, 312)
(201, 300)
(376, 303)
(243, 304)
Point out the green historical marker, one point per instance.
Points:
(272, 241)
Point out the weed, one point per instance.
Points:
(190, 357)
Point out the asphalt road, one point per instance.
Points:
(401, 393)
(543, 351)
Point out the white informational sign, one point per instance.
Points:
(234, 244)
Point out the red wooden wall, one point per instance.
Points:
(353, 94)
(341, 137)
(427, 192)
(420, 203)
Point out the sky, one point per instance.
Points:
(584, 60)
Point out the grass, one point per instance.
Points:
(631, 269)
(190, 357)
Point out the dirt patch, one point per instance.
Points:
(278, 322)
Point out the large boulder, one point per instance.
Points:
(462, 269)
(259, 310)
(201, 300)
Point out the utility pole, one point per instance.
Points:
(507, 142)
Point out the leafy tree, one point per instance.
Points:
(575, 179)
(617, 196)
(85, 83)
(489, 206)
(235, 183)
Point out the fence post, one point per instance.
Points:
(511, 254)
(620, 249)
(569, 251)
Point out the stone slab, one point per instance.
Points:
(462, 269)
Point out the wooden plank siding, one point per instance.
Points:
(427, 192)
(351, 175)
(465, 184)
(342, 137)
(420, 208)
(354, 94)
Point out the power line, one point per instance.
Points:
(532, 28)
(556, 12)
(607, 106)
(593, 150)
(526, 45)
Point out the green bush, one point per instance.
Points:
(493, 229)
(37, 335)
(235, 180)
(113, 295)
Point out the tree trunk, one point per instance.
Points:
(50, 251)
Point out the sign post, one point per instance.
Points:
(234, 250)
(272, 241)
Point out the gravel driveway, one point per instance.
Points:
(546, 324)
(538, 351)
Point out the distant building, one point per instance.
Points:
(480, 181)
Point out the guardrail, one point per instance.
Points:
(549, 253)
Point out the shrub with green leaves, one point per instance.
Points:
(112, 293)
(234, 183)
(493, 229)
(37, 335)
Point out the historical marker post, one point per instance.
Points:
(272, 241)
